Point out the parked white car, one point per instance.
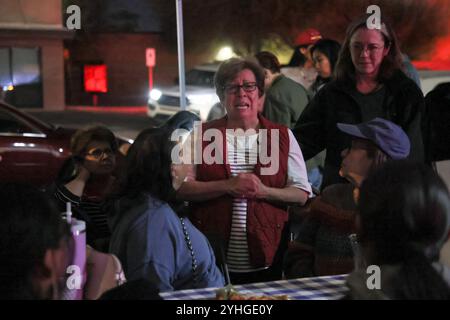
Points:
(430, 79)
(200, 94)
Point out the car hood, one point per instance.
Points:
(190, 90)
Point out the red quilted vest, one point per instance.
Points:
(265, 221)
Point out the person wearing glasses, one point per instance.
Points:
(323, 247)
(94, 152)
(234, 198)
(368, 82)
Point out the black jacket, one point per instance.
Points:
(437, 135)
(316, 128)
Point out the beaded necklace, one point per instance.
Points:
(189, 245)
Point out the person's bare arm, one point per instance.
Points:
(289, 195)
(193, 190)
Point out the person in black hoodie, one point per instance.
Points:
(369, 83)
(437, 135)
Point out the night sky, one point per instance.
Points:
(148, 19)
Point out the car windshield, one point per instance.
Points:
(200, 78)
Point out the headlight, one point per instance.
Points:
(155, 94)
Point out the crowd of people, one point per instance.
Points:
(359, 119)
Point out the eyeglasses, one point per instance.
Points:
(98, 153)
(371, 48)
(235, 88)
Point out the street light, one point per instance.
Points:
(225, 53)
(181, 75)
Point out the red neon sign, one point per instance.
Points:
(95, 78)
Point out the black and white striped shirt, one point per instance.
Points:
(242, 156)
(242, 152)
(97, 216)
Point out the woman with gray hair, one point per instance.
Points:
(238, 199)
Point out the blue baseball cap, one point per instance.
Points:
(386, 135)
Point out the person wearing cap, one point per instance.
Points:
(323, 247)
(368, 83)
(301, 67)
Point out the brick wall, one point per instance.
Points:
(124, 56)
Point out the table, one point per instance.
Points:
(317, 288)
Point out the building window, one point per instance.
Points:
(20, 77)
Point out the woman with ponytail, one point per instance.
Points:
(403, 221)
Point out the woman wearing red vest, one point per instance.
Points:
(250, 169)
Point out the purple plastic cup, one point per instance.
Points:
(76, 271)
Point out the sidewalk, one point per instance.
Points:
(118, 109)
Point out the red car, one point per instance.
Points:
(31, 151)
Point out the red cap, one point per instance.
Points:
(309, 36)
